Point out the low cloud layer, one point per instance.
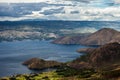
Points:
(100, 10)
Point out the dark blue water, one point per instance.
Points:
(12, 54)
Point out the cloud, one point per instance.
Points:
(25, 1)
(53, 10)
(18, 10)
(79, 30)
(83, 1)
(99, 10)
(90, 13)
(117, 1)
(74, 12)
(85, 30)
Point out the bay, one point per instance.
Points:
(12, 54)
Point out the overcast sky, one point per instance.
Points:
(19, 1)
(100, 10)
(26, 1)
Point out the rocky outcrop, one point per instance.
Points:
(36, 63)
(85, 50)
(106, 56)
(101, 37)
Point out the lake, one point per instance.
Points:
(12, 54)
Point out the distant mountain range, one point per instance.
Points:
(10, 35)
(72, 31)
(101, 37)
(68, 40)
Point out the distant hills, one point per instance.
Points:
(11, 35)
(68, 40)
(101, 37)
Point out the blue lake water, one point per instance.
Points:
(12, 54)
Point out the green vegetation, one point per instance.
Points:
(63, 73)
(67, 73)
(82, 73)
(42, 76)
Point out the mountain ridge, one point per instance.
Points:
(105, 55)
(100, 37)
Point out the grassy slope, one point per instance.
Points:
(67, 73)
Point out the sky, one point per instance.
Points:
(78, 10)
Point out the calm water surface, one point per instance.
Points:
(12, 54)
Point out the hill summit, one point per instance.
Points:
(101, 37)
